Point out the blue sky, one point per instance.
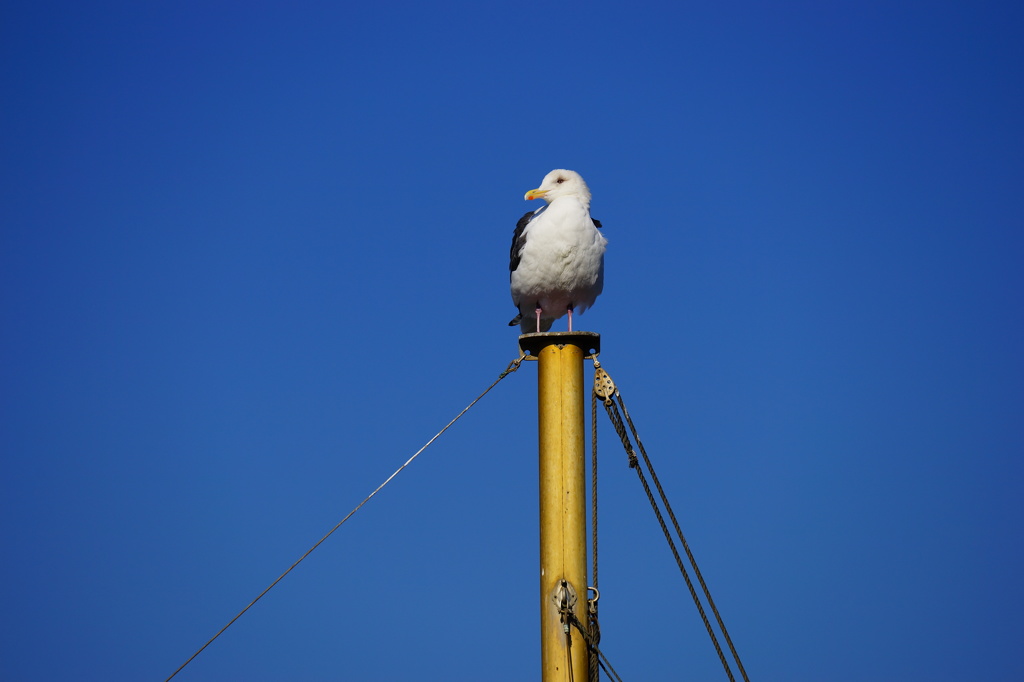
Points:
(252, 256)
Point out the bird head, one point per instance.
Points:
(561, 183)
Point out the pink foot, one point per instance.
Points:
(538, 320)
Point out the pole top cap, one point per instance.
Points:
(589, 342)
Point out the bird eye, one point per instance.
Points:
(560, 180)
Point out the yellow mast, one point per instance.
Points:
(563, 539)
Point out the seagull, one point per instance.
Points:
(556, 264)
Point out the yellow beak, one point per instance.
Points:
(536, 193)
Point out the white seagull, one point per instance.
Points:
(557, 259)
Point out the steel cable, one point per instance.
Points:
(620, 429)
(682, 538)
(513, 366)
(593, 626)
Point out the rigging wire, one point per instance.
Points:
(603, 661)
(605, 388)
(682, 538)
(513, 366)
(593, 627)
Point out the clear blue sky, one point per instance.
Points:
(253, 255)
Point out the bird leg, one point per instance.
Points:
(569, 310)
(538, 318)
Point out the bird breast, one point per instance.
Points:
(562, 260)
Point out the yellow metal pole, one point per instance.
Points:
(563, 539)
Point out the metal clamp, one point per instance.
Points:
(592, 601)
(564, 598)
